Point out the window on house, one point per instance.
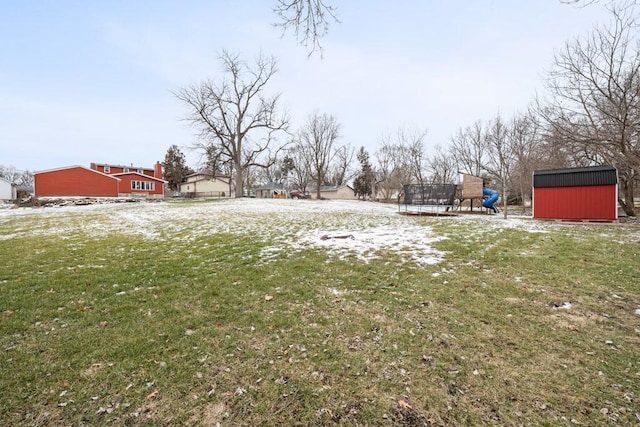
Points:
(141, 171)
(143, 185)
(107, 169)
(125, 170)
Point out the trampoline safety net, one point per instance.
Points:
(433, 195)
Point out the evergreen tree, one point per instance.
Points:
(362, 184)
(287, 166)
(174, 167)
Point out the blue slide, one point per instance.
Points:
(493, 198)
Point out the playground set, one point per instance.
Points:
(569, 194)
(447, 199)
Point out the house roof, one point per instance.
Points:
(6, 180)
(122, 166)
(334, 188)
(270, 186)
(140, 175)
(75, 167)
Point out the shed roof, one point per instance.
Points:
(572, 177)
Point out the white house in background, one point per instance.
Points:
(206, 183)
(342, 192)
(7, 190)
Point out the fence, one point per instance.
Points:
(206, 195)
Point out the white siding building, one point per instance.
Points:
(7, 190)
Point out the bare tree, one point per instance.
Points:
(392, 172)
(340, 169)
(411, 142)
(273, 173)
(10, 173)
(594, 100)
(387, 179)
(300, 168)
(279, 172)
(315, 141)
(309, 20)
(528, 154)
(469, 148)
(500, 156)
(26, 178)
(442, 165)
(235, 116)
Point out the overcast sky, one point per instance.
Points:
(91, 80)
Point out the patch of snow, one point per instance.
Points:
(409, 242)
(565, 306)
(342, 227)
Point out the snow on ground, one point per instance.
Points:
(345, 228)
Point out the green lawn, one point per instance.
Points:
(230, 312)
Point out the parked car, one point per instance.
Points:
(298, 195)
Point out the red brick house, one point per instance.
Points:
(101, 180)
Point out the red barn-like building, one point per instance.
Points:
(100, 180)
(589, 193)
(75, 181)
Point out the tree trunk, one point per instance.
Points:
(628, 202)
(239, 180)
(504, 198)
(318, 189)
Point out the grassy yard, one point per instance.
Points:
(314, 313)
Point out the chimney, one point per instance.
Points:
(157, 170)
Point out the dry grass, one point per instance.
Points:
(532, 324)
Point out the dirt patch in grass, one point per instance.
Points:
(211, 414)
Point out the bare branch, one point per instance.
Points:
(308, 19)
